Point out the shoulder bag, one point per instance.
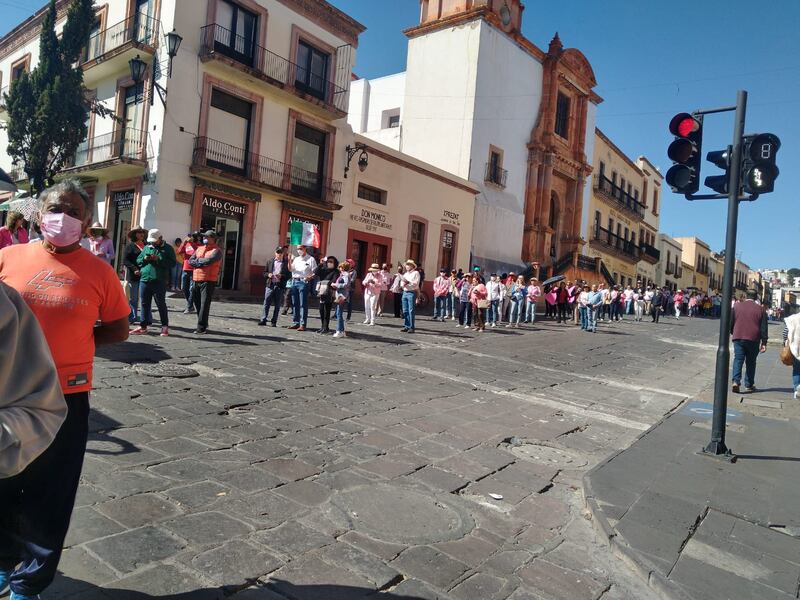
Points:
(786, 356)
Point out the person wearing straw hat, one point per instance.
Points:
(133, 248)
(409, 283)
(371, 283)
(99, 243)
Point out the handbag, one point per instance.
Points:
(787, 357)
(340, 299)
(323, 289)
(484, 303)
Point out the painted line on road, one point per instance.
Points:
(531, 398)
(572, 374)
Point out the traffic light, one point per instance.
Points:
(684, 176)
(759, 170)
(722, 159)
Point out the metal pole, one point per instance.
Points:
(716, 446)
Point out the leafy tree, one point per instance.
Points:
(48, 107)
(794, 272)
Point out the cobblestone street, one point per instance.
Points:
(268, 463)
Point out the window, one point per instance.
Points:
(553, 211)
(602, 171)
(132, 124)
(235, 32)
(394, 121)
(448, 248)
(614, 178)
(93, 48)
(494, 170)
(308, 159)
(229, 120)
(669, 257)
(562, 116)
(371, 194)
(312, 70)
(621, 186)
(18, 69)
(655, 202)
(417, 241)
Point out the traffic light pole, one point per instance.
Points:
(716, 447)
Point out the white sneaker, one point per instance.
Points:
(372, 323)
(494, 324)
(797, 392)
(366, 322)
(337, 334)
(508, 325)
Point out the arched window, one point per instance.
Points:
(553, 211)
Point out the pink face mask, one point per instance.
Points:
(60, 229)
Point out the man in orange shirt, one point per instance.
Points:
(69, 291)
(206, 264)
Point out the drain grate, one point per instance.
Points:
(164, 370)
(548, 455)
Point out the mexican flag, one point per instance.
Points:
(306, 234)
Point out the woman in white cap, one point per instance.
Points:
(100, 244)
(371, 283)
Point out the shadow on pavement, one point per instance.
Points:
(132, 352)
(274, 589)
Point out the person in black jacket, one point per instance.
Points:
(276, 273)
(132, 274)
(327, 272)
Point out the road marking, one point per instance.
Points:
(563, 406)
(572, 374)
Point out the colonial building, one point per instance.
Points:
(616, 212)
(698, 254)
(480, 100)
(251, 137)
(669, 269)
(648, 234)
(716, 271)
(741, 271)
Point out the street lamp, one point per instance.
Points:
(363, 159)
(138, 67)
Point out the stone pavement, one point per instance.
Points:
(267, 463)
(696, 527)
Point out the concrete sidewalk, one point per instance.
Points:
(696, 527)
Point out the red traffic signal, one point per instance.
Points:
(684, 152)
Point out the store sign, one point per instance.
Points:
(123, 200)
(224, 208)
(372, 220)
(450, 218)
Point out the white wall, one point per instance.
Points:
(586, 219)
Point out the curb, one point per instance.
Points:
(619, 547)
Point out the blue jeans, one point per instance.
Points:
(409, 309)
(745, 352)
(591, 318)
(40, 502)
(465, 314)
(629, 306)
(440, 307)
(186, 285)
(530, 311)
(516, 312)
(154, 290)
(177, 271)
(584, 313)
(272, 296)
(451, 305)
(494, 311)
(796, 373)
(340, 309)
(134, 302)
(299, 302)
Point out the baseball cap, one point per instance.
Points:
(153, 235)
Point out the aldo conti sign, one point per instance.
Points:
(224, 208)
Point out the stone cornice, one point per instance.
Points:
(29, 29)
(329, 18)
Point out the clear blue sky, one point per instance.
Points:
(648, 70)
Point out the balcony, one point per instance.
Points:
(220, 44)
(615, 244)
(108, 51)
(224, 160)
(608, 189)
(701, 270)
(649, 253)
(670, 269)
(118, 154)
(496, 175)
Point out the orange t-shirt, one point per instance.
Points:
(68, 293)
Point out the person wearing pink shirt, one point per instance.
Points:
(99, 243)
(371, 283)
(441, 289)
(13, 232)
(534, 293)
(386, 282)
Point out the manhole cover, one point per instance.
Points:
(164, 370)
(401, 515)
(547, 455)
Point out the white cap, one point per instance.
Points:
(153, 235)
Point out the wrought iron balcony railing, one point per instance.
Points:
(139, 28)
(614, 241)
(217, 40)
(209, 153)
(128, 144)
(496, 175)
(650, 251)
(615, 192)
